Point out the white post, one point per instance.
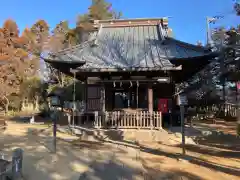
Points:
(96, 120)
(32, 120)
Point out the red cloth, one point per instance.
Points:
(163, 105)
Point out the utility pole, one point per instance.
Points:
(208, 30)
(209, 20)
(223, 80)
(213, 20)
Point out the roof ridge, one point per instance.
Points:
(130, 19)
(131, 22)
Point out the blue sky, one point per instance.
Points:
(188, 17)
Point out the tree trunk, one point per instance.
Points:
(62, 79)
(6, 104)
(36, 104)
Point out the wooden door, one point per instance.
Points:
(94, 98)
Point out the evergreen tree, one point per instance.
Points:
(99, 10)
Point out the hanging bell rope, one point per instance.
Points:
(121, 84)
(137, 84)
(114, 84)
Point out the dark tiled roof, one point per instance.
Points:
(131, 47)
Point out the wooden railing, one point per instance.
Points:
(219, 110)
(230, 109)
(127, 120)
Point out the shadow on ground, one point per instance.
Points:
(103, 160)
(221, 141)
(40, 163)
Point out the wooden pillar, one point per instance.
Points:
(172, 108)
(103, 99)
(111, 95)
(86, 94)
(150, 104)
(130, 98)
(137, 100)
(103, 106)
(150, 99)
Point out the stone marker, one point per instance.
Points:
(17, 159)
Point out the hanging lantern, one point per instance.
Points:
(237, 7)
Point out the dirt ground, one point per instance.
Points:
(214, 157)
(224, 126)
